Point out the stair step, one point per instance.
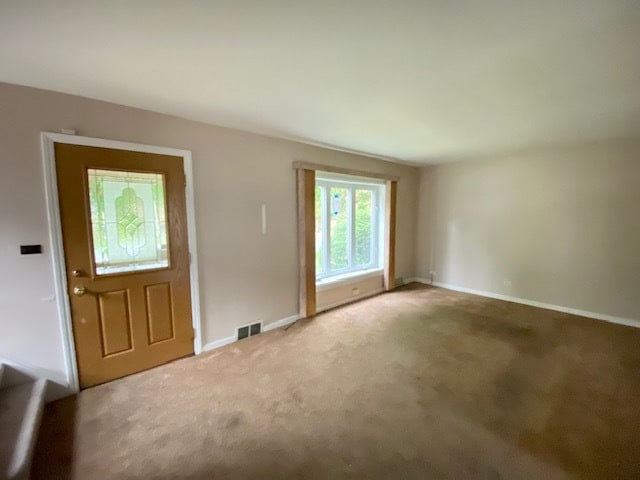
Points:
(21, 409)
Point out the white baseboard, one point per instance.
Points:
(271, 326)
(559, 308)
(19, 373)
(281, 323)
(35, 372)
(218, 343)
(285, 321)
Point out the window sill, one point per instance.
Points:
(347, 278)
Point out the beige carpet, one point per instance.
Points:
(421, 383)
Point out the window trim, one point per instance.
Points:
(305, 186)
(351, 184)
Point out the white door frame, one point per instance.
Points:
(55, 236)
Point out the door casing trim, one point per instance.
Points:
(48, 139)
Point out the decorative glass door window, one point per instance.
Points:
(349, 223)
(128, 221)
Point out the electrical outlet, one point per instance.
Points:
(432, 276)
(507, 283)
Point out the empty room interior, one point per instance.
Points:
(320, 240)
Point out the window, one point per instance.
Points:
(128, 221)
(348, 224)
(382, 244)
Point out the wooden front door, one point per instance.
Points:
(124, 229)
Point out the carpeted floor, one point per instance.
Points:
(421, 383)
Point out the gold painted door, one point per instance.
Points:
(124, 228)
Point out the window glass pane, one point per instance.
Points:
(319, 193)
(338, 228)
(363, 227)
(128, 221)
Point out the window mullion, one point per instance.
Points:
(380, 225)
(375, 212)
(326, 229)
(351, 224)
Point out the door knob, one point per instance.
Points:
(79, 290)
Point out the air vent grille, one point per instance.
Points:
(249, 330)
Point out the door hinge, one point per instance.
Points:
(193, 333)
(190, 261)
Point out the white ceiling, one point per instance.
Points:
(422, 81)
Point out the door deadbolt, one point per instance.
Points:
(79, 291)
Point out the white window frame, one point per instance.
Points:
(351, 183)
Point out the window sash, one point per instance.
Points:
(325, 219)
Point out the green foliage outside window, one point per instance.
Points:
(338, 227)
(318, 207)
(364, 215)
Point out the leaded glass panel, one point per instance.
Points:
(128, 221)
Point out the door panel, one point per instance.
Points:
(115, 322)
(159, 312)
(124, 231)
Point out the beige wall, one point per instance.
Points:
(245, 276)
(562, 225)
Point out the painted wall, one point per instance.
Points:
(245, 276)
(562, 225)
